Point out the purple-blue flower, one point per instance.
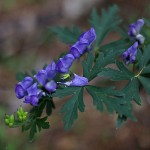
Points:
(135, 28)
(51, 70)
(33, 90)
(21, 87)
(77, 81)
(88, 37)
(85, 41)
(32, 100)
(63, 65)
(26, 82)
(78, 49)
(41, 77)
(34, 94)
(51, 86)
(20, 91)
(130, 53)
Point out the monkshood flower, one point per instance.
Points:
(41, 77)
(77, 81)
(51, 70)
(63, 65)
(135, 28)
(130, 53)
(88, 37)
(34, 94)
(21, 87)
(85, 41)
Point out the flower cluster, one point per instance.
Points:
(133, 32)
(44, 81)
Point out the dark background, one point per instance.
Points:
(26, 43)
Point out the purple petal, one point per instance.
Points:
(26, 82)
(41, 77)
(51, 86)
(51, 70)
(77, 81)
(88, 37)
(77, 48)
(32, 100)
(33, 90)
(63, 65)
(20, 91)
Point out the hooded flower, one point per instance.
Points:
(77, 81)
(85, 41)
(20, 91)
(135, 28)
(88, 37)
(21, 87)
(63, 65)
(51, 70)
(41, 77)
(34, 94)
(130, 53)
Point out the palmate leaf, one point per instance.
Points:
(66, 35)
(131, 91)
(117, 75)
(71, 107)
(108, 21)
(112, 100)
(102, 61)
(144, 68)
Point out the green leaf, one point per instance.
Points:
(131, 91)
(102, 61)
(70, 108)
(87, 64)
(33, 130)
(112, 100)
(65, 91)
(146, 83)
(66, 35)
(116, 45)
(49, 106)
(117, 75)
(106, 23)
(121, 120)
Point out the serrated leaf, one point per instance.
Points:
(102, 61)
(146, 83)
(131, 91)
(106, 23)
(113, 102)
(66, 35)
(70, 108)
(33, 130)
(87, 64)
(49, 106)
(120, 121)
(65, 91)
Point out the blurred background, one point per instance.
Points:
(26, 43)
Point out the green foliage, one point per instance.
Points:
(67, 35)
(108, 21)
(71, 107)
(117, 75)
(113, 100)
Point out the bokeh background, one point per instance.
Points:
(26, 43)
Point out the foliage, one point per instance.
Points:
(96, 63)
